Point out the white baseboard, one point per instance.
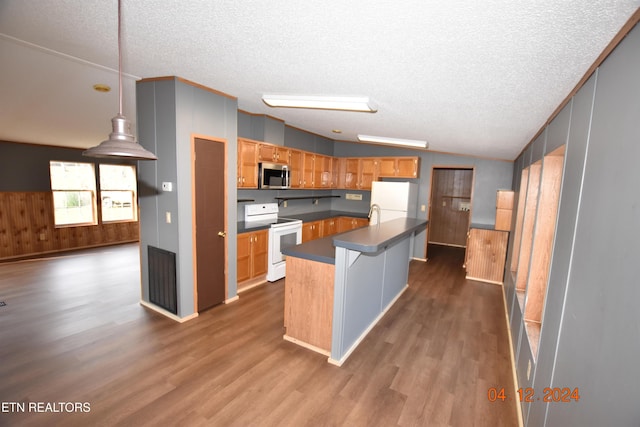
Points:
(166, 313)
(232, 299)
(306, 345)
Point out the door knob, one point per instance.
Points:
(222, 234)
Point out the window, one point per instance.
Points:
(118, 192)
(74, 189)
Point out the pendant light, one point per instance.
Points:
(121, 143)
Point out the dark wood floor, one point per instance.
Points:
(72, 330)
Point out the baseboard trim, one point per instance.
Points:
(166, 313)
(513, 359)
(232, 299)
(307, 345)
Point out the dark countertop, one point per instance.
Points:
(366, 239)
(305, 217)
(375, 238)
(320, 250)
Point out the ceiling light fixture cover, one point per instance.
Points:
(343, 103)
(121, 143)
(393, 141)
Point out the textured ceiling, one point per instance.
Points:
(470, 77)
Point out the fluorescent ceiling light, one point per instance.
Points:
(344, 103)
(393, 141)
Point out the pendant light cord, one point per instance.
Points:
(119, 57)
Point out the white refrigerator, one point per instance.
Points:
(395, 199)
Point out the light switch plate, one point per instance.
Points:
(351, 196)
(167, 186)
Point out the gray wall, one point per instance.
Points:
(590, 336)
(169, 113)
(25, 167)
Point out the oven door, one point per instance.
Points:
(279, 238)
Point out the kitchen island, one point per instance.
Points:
(337, 288)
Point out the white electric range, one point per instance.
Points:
(283, 232)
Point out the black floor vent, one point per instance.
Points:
(162, 279)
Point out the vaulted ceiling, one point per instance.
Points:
(470, 77)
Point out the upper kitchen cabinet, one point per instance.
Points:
(308, 161)
(322, 171)
(367, 172)
(247, 163)
(398, 167)
(296, 160)
(273, 153)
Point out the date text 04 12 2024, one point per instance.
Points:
(528, 394)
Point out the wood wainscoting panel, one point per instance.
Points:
(486, 255)
(308, 302)
(27, 228)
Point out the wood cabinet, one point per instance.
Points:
(247, 163)
(349, 175)
(504, 209)
(322, 171)
(346, 223)
(486, 255)
(329, 227)
(252, 255)
(308, 160)
(310, 170)
(296, 159)
(311, 230)
(367, 172)
(273, 153)
(398, 167)
(335, 172)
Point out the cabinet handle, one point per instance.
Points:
(243, 179)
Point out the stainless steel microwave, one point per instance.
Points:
(271, 175)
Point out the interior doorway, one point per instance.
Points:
(450, 205)
(209, 207)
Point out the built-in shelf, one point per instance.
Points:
(314, 198)
(245, 200)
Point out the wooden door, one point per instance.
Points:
(450, 206)
(210, 207)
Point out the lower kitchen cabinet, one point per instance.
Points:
(311, 230)
(327, 227)
(486, 255)
(346, 223)
(252, 256)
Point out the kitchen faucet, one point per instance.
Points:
(377, 209)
